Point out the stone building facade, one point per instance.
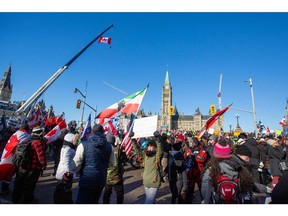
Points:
(179, 121)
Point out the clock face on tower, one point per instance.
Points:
(166, 87)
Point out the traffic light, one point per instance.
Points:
(78, 105)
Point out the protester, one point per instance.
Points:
(7, 169)
(64, 173)
(57, 146)
(166, 147)
(275, 153)
(92, 159)
(152, 169)
(27, 177)
(114, 175)
(223, 165)
(176, 174)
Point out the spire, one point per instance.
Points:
(7, 78)
(167, 80)
(5, 86)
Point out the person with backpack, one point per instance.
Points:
(177, 174)
(224, 178)
(114, 175)
(27, 175)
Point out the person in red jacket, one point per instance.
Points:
(27, 177)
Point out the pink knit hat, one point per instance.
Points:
(221, 151)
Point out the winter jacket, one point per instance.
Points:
(254, 148)
(66, 161)
(92, 160)
(280, 192)
(275, 155)
(151, 174)
(37, 154)
(115, 173)
(226, 170)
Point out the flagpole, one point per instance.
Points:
(132, 124)
(52, 79)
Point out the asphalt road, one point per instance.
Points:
(133, 189)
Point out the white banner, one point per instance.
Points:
(145, 127)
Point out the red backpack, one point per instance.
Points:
(227, 190)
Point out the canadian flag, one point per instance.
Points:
(34, 119)
(7, 169)
(283, 121)
(105, 40)
(55, 132)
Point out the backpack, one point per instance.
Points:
(22, 155)
(227, 190)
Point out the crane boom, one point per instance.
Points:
(53, 78)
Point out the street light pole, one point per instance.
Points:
(254, 110)
(84, 96)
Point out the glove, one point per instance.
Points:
(261, 165)
(131, 134)
(195, 153)
(269, 190)
(157, 135)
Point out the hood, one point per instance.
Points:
(97, 139)
(229, 169)
(252, 141)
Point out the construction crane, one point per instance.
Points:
(32, 100)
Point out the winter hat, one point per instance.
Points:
(271, 141)
(177, 145)
(262, 140)
(221, 151)
(240, 141)
(243, 135)
(110, 138)
(37, 130)
(213, 137)
(243, 150)
(97, 128)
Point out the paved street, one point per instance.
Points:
(133, 188)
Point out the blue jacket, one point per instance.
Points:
(96, 159)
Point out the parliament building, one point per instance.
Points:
(171, 119)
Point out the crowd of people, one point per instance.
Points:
(224, 168)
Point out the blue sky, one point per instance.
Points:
(197, 47)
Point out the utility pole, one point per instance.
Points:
(254, 109)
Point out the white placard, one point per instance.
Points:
(145, 127)
(211, 131)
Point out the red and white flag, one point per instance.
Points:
(7, 168)
(283, 121)
(127, 144)
(109, 127)
(127, 105)
(55, 132)
(105, 40)
(60, 117)
(34, 118)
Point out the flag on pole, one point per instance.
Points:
(34, 118)
(55, 132)
(87, 129)
(213, 119)
(127, 105)
(7, 168)
(105, 40)
(109, 127)
(283, 121)
(127, 141)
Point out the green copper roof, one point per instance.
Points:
(167, 80)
